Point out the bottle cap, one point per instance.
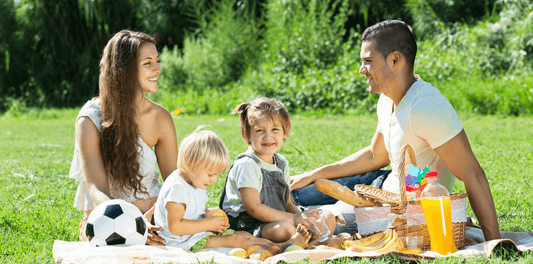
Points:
(432, 174)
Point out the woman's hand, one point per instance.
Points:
(153, 238)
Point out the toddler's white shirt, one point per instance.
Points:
(176, 189)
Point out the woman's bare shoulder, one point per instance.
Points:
(154, 123)
(157, 119)
(159, 113)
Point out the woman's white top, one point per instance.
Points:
(147, 167)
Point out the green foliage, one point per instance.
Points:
(304, 34)
(431, 17)
(51, 59)
(307, 65)
(338, 89)
(208, 101)
(7, 28)
(220, 52)
(304, 53)
(502, 96)
(365, 13)
(169, 20)
(484, 68)
(173, 75)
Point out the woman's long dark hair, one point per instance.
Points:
(119, 87)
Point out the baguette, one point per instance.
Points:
(343, 193)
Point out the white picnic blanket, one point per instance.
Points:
(82, 252)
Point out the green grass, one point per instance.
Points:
(37, 195)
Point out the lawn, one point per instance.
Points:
(37, 195)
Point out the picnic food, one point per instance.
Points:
(389, 242)
(252, 248)
(400, 202)
(293, 248)
(364, 242)
(378, 194)
(260, 254)
(237, 252)
(116, 222)
(335, 242)
(343, 193)
(395, 244)
(219, 212)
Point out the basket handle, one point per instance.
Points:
(409, 150)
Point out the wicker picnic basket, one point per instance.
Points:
(399, 204)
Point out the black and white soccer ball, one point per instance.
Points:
(116, 222)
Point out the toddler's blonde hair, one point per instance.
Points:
(203, 151)
(249, 112)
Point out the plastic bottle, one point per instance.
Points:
(438, 214)
(321, 229)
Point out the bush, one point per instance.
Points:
(363, 14)
(305, 53)
(57, 46)
(470, 64)
(207, 101)
(339, 89)
(304, 34)
(431, 17)
(488, 96)
(495, 47)
(169, 20)
(225, 46)
(174, 76)
(307, 65)
(484, 68)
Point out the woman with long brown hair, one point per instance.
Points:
(121, 136)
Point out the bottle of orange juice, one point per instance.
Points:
(438, 213)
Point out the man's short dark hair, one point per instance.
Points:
(392, 35)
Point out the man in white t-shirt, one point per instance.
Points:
(425, 120)
(410, 111)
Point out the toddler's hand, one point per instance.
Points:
(216, 212)
(218, 224)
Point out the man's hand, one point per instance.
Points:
(301, 180)
(368, 159)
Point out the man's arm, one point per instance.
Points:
(368, 159)
(458, 157)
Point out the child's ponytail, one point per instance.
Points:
(241, 109)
